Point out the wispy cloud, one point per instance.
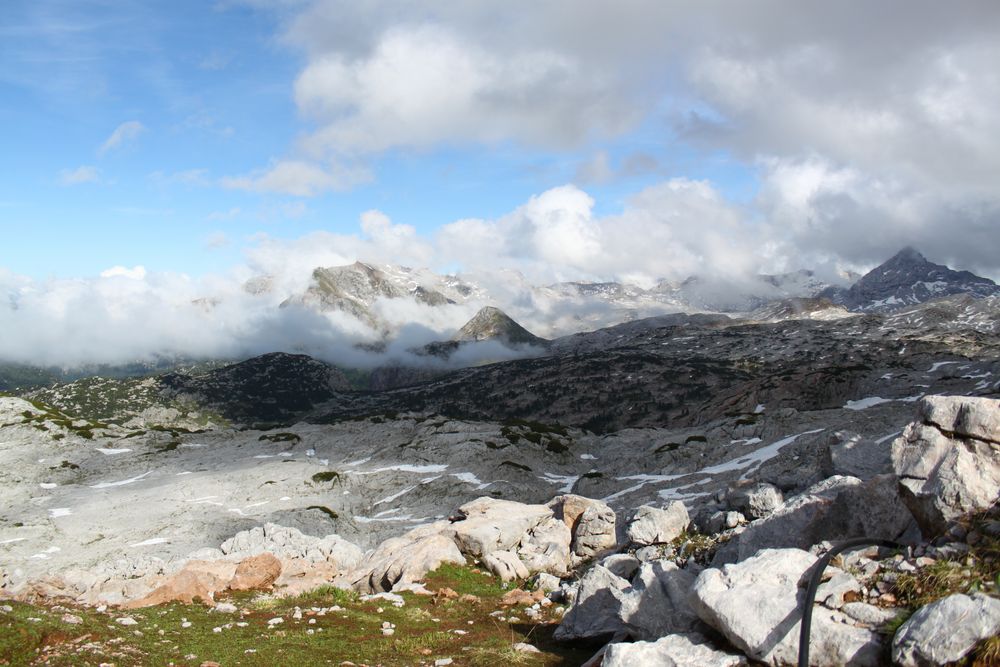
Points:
(82, 174)
(185, 177)
(298, 178)
(125, 133)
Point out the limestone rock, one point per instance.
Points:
(286, 542)
(946, 630)
(197, 580)
(256, 573)
(623, 565)
(596, 611)
(651, 525)
(403, 560)
(757, 605)
(591, 522)
(506, 565)
(545, 548)
(964, 416)
(657, 603)
(949, 461)
(680, 650)
(755, 501)
(495, 525)
(849, 453)
(800, 522)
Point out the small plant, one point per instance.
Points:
(325, 510)
(326, 476)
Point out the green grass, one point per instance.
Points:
(426, 629)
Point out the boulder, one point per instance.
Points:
(681, 650)
(596, 610)
(197, 580)
(256, 573)
(404, 560)
(755, 501)
(495, 525)
(623, 565)
(651, 525)
(972, 417)
(506, 565)
(657, 603)
(591, 522)
(871, 509)
(757, 605)
(800, 522)
(948, 462)
(946, 630)
(851, 454)
(289, 543)
(545, 548)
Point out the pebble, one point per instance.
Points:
(186, 624)
(72, 619)
(126, 620)
(441, 662)
(276, 621)
(226, 608)
(526, 648)
(6, 608)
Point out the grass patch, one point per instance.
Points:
(325, 626)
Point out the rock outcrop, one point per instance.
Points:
(948, 462)
(946, 631)
(757, 605)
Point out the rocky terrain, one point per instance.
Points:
(656, 479)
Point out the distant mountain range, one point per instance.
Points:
(906, 279)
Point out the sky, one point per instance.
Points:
(195, 143)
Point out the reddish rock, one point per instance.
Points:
(256, 572)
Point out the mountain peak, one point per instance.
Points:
(491, 323)
(908, 278)
(908, 255)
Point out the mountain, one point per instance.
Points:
(906, 279)
(355, 288)
(275, 387)
(493, 324)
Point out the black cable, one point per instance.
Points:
(814, 585)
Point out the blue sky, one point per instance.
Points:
(209, 91)
(177, 135)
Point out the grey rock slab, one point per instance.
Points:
(546, 547)
(506, 565)
(946, 630)
(652, 525)
(658, 603)
(491, 524)
(757, 605)
(949, 463)
(595, 611)
(755, 501)
(404, 560)
(678, 650)
(851, 454)
(964, 416)
(800, 522)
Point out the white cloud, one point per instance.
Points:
(123, 134)
(82, 174)
(137, 272)
(298, 178)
